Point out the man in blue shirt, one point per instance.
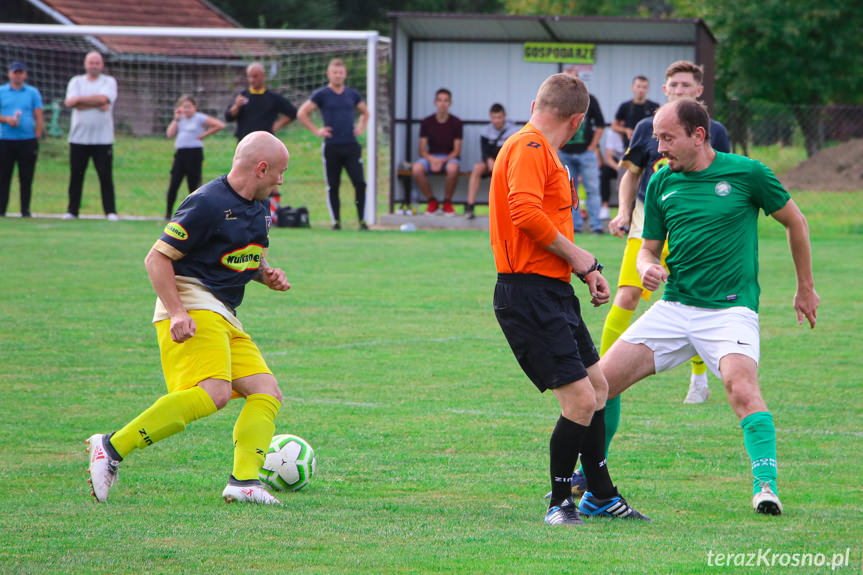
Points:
(21, 125)
(338, 104)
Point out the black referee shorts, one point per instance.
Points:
(541, 319)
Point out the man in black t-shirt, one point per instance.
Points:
(258, 109)
(631, 112)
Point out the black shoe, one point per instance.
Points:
(337, 226)
(26, 215)
(363, 226)
(598, 233)
(564, 514)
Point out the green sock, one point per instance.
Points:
(759, 436)
(612, 420)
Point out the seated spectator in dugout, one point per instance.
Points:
(491, 140)
(440, 148)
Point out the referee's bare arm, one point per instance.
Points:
(582, 260)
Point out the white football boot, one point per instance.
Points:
(103, 470)
(248, 494)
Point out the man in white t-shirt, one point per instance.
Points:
(91, 97)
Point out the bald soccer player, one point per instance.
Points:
(215, 244)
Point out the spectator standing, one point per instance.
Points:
(581, 157)
(491, 140)
(440, 149)
(21, 125)
(257, 108)
(339, 104)
(612, 152)
(91, 97)
(631, 112)
(189, 127)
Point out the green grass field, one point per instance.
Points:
(432, 445)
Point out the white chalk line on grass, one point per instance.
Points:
(498, 414)
(311, 346)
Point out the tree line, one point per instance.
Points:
(796, 52)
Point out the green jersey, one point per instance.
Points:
(711, 220)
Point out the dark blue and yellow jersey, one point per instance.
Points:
(218, 238)
(643, 157)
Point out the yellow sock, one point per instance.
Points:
(252, 434)
(616, 323)
(169, 415)
(698, 366)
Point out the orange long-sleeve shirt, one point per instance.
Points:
(530, 201)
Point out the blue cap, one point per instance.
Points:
(16, 65)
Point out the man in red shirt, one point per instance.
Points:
(530, 212)
(440, 148)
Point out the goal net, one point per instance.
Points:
(154, 66)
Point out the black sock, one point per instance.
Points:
(593, 458)
(242, 482)
(564, 447)
(109, 447)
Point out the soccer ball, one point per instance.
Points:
(289, 464)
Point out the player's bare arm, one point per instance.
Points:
(626, 191)
(160, 269)
(651, 271)
(273, 278)
(806, 299)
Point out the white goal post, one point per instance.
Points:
(208, 62)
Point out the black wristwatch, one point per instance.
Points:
(596, 267)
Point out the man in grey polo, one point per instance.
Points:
(91, 97)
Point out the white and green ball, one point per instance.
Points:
(289, 463)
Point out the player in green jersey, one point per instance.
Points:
(707, 204)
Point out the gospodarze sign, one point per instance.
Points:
(559, 52)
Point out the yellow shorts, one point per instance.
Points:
(218, 350)
(628, 272)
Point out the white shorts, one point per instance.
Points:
(676, 332)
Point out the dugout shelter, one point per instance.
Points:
(484, 59)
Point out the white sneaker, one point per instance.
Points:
(699, 391)
(248, 494)
(400, 212)
(112, 217)
(69, 216)
(604, 213)
(767, 502)
(103, 470)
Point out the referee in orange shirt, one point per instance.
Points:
(531, 201)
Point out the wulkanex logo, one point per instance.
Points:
(723, 189)
(243, 259)
(176, 231)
